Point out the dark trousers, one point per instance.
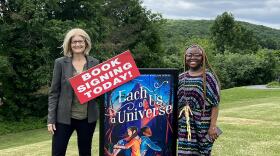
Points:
(63, 133)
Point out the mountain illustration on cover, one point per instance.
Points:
(147, 104)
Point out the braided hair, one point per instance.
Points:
(205, 65)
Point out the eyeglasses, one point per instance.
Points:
(193, 55)
(79, 42)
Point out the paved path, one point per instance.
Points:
(259, 87)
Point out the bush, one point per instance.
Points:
(22, 125)
(235, 69)
(273, 84)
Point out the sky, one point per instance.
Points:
(261, 12)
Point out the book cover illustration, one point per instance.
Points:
(138, 117)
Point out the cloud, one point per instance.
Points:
(256, 11)
(274, 4)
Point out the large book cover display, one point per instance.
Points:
(140, 116)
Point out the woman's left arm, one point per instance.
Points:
(213, 125)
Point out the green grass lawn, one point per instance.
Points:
(250, 120)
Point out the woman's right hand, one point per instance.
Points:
(51, 128)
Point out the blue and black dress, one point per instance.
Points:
(190, 92)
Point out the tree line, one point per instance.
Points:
(32, 33)
(241, 53)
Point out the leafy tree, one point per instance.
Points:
(135, 28)
(32, 32)
(269, 43)
(222, 31)
(244, 40)
(229, 35)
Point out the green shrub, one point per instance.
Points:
(273, 84)
(22, 125)
(235, 69)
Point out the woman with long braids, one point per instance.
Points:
(199, 96)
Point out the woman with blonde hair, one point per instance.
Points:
(65, 113)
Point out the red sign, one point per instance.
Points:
(104, 77)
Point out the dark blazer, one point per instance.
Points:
(61, 92)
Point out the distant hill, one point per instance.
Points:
(181, 30)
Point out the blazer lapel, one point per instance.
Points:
(90, 62)
(68, 67)
(68, 73)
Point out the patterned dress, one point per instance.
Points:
(190, 92)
